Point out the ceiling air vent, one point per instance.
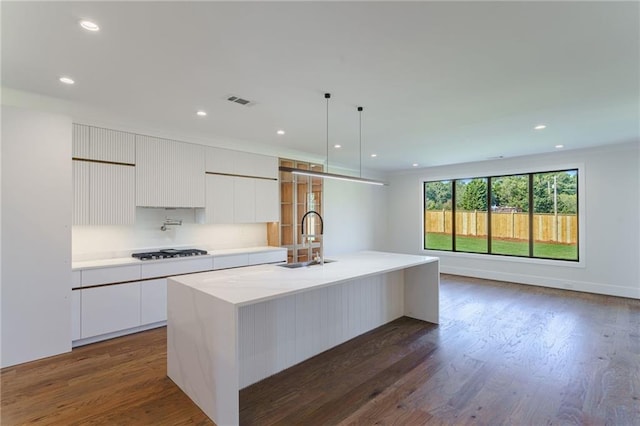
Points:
(239, 100)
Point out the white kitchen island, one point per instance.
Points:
(231, 328)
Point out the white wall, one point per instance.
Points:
(355, 217)
(99, 242)
(36, 235)
(610, 237)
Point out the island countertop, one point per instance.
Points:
(248, 285)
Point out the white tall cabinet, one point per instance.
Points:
(169, 173)
(103, 176)
(36, 235)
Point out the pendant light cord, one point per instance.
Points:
(327, 96)
(360, 114)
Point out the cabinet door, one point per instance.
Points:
(267, 200)
(112, 194)
(244, 200)
(110, 308)
(153, 301)
(219, 160)
(220, 196)
(76, 312)
(262, 166)
(81, 175)
(80, 141)
(169, 173)
(112, 145)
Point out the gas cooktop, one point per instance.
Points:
(168, 253)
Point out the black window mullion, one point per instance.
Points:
(489, 214)
(531, 207)
(453, 215)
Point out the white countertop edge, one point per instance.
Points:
(196, 281)
(126, 261)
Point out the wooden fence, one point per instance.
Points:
(562, 228)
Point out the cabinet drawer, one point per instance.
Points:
(267, 257)
(230, 261)
(110, 275)
(109, 309)
(176, 267)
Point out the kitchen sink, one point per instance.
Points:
(303, 264)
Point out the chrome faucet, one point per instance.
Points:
(320, 258)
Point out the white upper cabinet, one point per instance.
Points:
(258, 165)
(241, 187)
(169, 173)
(94, 143)
(103, 176)
(244, 200)
(220, 160)
(267, 205)
(226, 161)
(112, 145)
(220, 194)
(80, 142)
(81, 182)
(112, 194)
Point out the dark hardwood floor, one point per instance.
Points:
(502, 354)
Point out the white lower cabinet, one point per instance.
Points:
(110, 308)
(76, 313)
(153, 306)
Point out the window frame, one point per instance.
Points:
(530, 172)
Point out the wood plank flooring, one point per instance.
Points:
(503, 354)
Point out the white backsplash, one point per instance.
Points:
(104, 242)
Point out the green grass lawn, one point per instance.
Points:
(509, 247)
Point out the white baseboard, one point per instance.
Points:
(94, 339)
(583, 286)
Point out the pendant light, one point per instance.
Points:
(334, 176)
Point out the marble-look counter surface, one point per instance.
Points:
(123, 261)
(263, 282)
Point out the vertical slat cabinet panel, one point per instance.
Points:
(149, 188)
(267, 200)
(112, 196)
(81, 179)
(169, 173)
(112, 145)
(219, 208)
(189, 175)
(244, 200)
(80, 141)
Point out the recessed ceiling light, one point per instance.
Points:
(280, 132)
(202, 113)
(89, 26)
(540, 127)
(337, 145)
(66, 80)
(374, 155)
(415, 165)
(559, 146)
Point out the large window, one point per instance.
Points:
(525, 215)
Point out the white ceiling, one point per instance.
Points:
(440, 82)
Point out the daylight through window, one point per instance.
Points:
(525, 215)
